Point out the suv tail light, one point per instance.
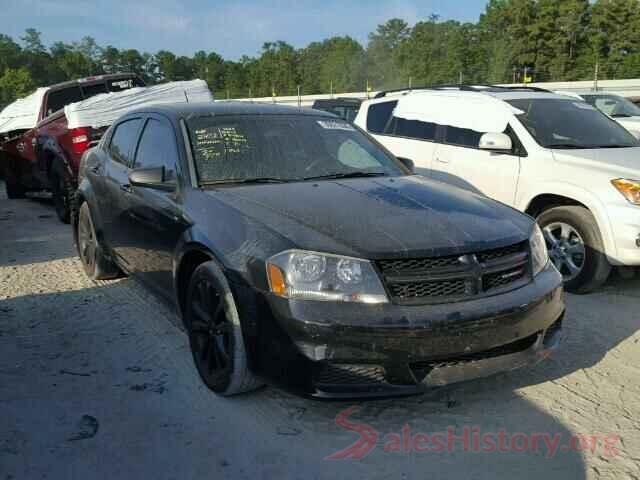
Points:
(79, 139)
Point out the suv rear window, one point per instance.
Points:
(378, 116)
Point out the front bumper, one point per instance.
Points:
(625, 224)
(332, 350)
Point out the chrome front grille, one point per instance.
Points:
(457, 277)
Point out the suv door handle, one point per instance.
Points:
(442, 160)
(126, 188)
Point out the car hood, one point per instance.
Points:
(380, 217)
(618, 162)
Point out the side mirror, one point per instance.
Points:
(408, 163)
(153, 177)
(496, 142)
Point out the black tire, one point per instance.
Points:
(12, 180)
(63, 192)
(96, 264)
(595, 267)
(215, 333)
(14, 189)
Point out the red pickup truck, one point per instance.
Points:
(47, 156)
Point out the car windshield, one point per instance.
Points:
(282, 148)
(613, 105)
(570, 124)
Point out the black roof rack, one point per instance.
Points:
(466, 88)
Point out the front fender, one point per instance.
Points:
(581, 195)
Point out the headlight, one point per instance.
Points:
(539, 252)
(630, 189)
(303, 275)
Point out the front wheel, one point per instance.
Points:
(215, 333)
(575, 247)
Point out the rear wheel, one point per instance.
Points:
(215, 333)
(96, 264)
(12, 181)
(62, 195)
(575, 247)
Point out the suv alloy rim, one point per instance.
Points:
(566, 249)
(211, 333)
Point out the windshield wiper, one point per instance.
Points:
(346, 175)
(244, 180)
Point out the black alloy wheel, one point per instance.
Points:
(211, 335)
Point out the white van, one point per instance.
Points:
(555, 157)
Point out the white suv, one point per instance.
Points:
(556, 158)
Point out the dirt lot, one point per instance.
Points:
(96, 381)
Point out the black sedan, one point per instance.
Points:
(300, 252)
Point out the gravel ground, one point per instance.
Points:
(96, 381)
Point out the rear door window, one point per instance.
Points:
(157, 148)
(58, 99)
(378, 116)
(123, 141)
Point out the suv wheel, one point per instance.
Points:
(62, 195)
(215, 333)
(96, 264)
(575, 247)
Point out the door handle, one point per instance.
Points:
(126, 188)
(442, 160)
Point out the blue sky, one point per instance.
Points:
(227, 27)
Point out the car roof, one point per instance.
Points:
(478, 94)
(183, 110)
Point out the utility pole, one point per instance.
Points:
(515, 70)
(331, 89)
(460, 79)
(368, 89)
(299, 97)
(524, 78)
(595, 76)
(410, 82)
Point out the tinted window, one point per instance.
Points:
(412, 129)
(90, 90)
(378, 116)
(463, 137)
(570, 124)
(58, 99)
(284, 147)
(157, 148)
(123, 141)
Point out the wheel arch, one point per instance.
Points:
(549, 196)
(191, 256)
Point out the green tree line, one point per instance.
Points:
(544, 40)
